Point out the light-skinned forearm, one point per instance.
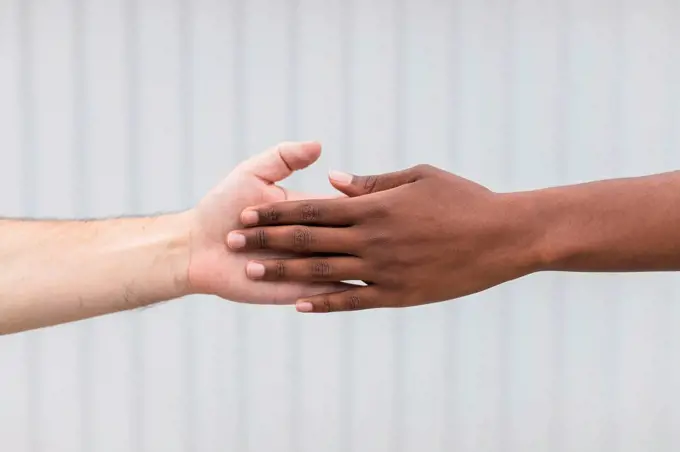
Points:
(618, 225)
(60, 271)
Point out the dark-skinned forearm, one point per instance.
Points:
(618, 225)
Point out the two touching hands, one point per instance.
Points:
(416, 236)
(216, 270)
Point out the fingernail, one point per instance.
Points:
(255, 270)
(249, 217)
(304, 306)
(340, 177)
(236, 240)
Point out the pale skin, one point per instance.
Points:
(62, 271)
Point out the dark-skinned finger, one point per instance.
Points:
(297, 239)
(353, 185)
(366, 297)
(321, 212)
(308, 270)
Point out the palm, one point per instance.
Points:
(217, 270)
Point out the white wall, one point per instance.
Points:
(120, 106)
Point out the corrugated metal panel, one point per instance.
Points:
(122, 106)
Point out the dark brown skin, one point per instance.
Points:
(424, 235)
(403, 236)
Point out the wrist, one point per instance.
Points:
(530, 225)
(174, 232)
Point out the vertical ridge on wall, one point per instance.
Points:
(109, 351)
(186, 98)
(347, 147)
(591, 312)
(29, 188)
(320, 95)
(451, 316)
(482, 98)
(398, 160)
(612, 298)
(508, 329)
(212, 155)
(160, 133)
(15, 396)
(373, 38)
(292, 130)
(265, 98)
(614, 354)
(562, 105)
(646, 308)
(242, 317)
(82, 206)
(134, 185)
(672, 162)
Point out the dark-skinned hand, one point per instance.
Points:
(416, 236)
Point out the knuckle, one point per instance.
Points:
(392, 269)
(353, 302)
(423, 169)
(377, 239)
(270, 214)
(261, 238)
(390, 279)
(302, 238)
(403, 261)
(374, 235)
(309, 212)
(370, 183)
(380, 210)
(280, 269)
(326, 303)
(321, 268)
